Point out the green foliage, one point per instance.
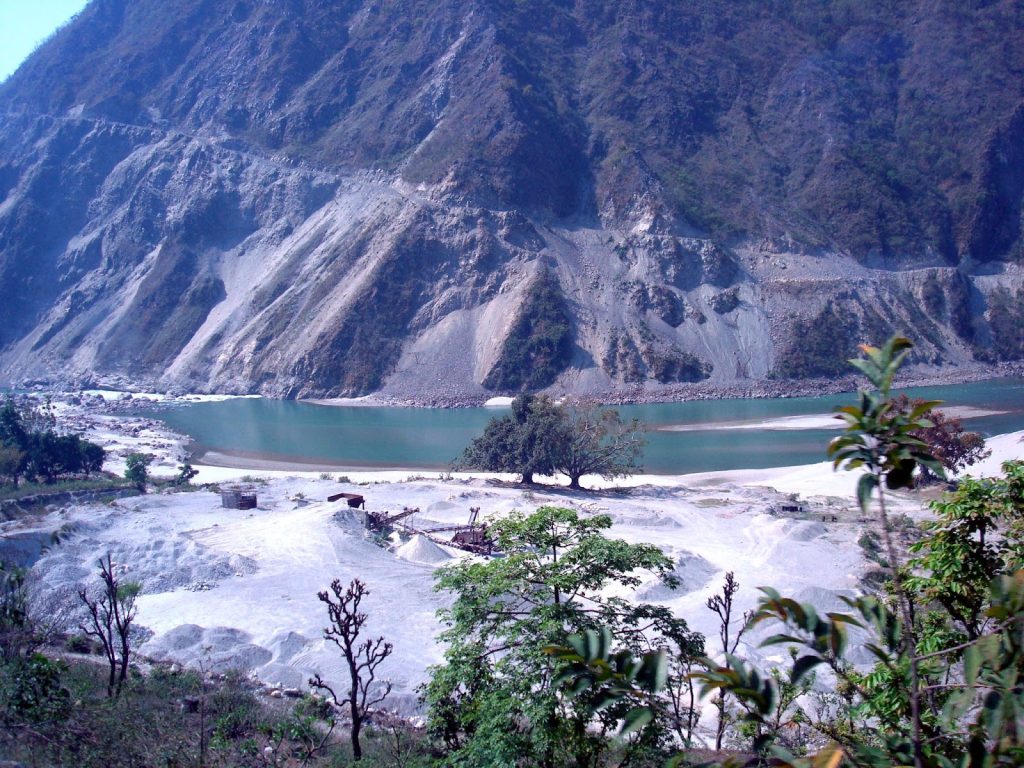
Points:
(523, 442)
(12, 459)
(31, 447)
(136, 469)
(15, 628)
(495, 699)
(976, 535)
(539, 437)
(539, 344)
(43, 489)
(56, 714)
(589, 666)
(879, 437)
(947, 688)
(953, 446)
(973, 690)
(185, 474)
(819, 347)
(674, 365)
(597, 442)
(31, 690)
(1006, 320)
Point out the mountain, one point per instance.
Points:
(461, 197)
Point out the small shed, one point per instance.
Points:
(354, 499)
(237, 498)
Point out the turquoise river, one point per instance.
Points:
(695, 436)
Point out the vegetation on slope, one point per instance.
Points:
(878, 128)
(539, 343)
(819, 346)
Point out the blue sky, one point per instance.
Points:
(26, 23)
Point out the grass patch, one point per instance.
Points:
(169, 718)
(25, 490)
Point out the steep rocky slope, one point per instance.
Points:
(334, 197)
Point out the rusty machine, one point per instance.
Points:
(471, 536)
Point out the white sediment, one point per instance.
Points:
(228, 588)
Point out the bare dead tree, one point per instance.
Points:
(363, 658)
(722, 606)
(110, 620)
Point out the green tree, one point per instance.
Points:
(539, 343)
(12, 426)
(494, 700)
(136, 469)
(44, 453)
(93, 457)
(186, 472)
(12, 463)
(597, 442)
(522, 442)
(948, 686)
(975, 536)
(880, 439)
(541, 438)
(970, 682)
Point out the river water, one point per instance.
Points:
(695, 436)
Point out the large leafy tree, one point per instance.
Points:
(598, 442)
(493, 701)
(540, 437)
(522, 442)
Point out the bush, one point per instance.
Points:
(137, 469)
(33, 691)
(78, 644)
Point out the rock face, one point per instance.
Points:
(335, 197)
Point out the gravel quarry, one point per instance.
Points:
(233, 589)
(237, 589)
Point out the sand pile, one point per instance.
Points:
(420, 549)
(693, 572)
